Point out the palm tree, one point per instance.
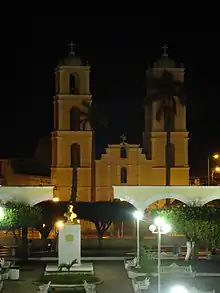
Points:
(166, 91)
(94, 118)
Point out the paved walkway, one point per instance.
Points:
(114, 276)
(111, 272)
(25, 283)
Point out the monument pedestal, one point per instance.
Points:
(83, 268)
(69, 249)
(69, 246)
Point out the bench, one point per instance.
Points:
(175, 269)
(5, 268)
(129, 263)
(89, 288)
(195, 290)
(140, 286)
(44, 288)
(132, 274)
(166, 255)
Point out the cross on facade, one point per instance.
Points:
(72, 46)
(123, 138)
(165, 50)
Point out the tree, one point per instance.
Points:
(166, 91)
(18, 215)
(102, 214)
(94, 118)
(51, 212)
(196, 223)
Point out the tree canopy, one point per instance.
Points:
(195, 222)
(102, 214)
(19, 215)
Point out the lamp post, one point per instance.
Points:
(215, 170)
(159, 227)
(138, 216)
(216, 157)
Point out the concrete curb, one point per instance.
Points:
(207, 274)
(82, 258)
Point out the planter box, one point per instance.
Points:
(14, 273)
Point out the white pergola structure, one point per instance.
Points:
(29, 194)
(142, 196)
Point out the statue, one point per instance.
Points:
(70, 215)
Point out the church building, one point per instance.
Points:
(70, 145)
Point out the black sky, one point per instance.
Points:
(119, 51)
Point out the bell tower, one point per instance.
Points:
(71, 139)
(155, 131)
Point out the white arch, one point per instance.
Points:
(157, 197)
(29, 194)
(212, 197)
(142, 196)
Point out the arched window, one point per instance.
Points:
(123, 153)
(75, 155)
(75, 119)
(123, 175)
(72, 84)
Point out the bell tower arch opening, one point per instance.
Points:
(123, 152)
(75, 155)
(75, 119)
(72, 84)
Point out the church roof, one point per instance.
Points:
(165, 62)
(71, 60)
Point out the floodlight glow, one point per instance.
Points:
(59, 224)
(138, 215)
(56, 199)
(166, 228)
(159, 221)
(152, 227)
(179, 289)
(1, 212)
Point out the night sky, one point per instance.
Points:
(119, 51)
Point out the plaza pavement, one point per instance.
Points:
(115, 279)
(111, 272)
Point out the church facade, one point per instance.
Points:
(121, 164)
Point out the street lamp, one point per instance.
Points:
(215, 170)
(216, 157)
(159, 227)
(138, 216)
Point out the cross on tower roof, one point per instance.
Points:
(72, 46)
(123, 138)
(165, 50)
